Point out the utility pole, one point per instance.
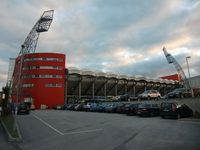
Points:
(188, 65)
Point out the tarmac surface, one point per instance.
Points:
(61, 129)
(4, 144)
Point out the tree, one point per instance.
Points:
(5, 100)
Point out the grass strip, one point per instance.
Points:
(10, 125)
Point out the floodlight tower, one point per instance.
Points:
(29, 45)
(178, 68)
(42, 25)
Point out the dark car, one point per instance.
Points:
(71, 106)
(101, 107)
(120, 108)
(179, 93)
(111, 108)
(148, 110)
(130, 109)
(175, 110)
(23, 109)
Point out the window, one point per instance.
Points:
(53, 85)
(44, 59)
(27, 85)
(43, 67)
(42, 76)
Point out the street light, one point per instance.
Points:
(188, 65)
(189, 72)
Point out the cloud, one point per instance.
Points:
(114, 36)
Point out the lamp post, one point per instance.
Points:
(189, 72)
(188, 65)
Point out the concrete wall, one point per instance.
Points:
(193, 103)
(195, 82)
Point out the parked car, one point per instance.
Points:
(175, 110)
(101, 107)
(148, 110)
(179, 93)
(78, 107)
(23, 109)
(131, 109)
(93, 107)
(149, 94)
(124, 97)
(120, 108)
(111, 108)
(70, 106)
(60, 107)
(86, 107)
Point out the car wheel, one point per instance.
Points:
(181, 96)
(163, 116)
(148, 98)
(191, 114)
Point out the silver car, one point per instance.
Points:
(149, 94)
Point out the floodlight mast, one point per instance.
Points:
(178, 68)
(30, 43)
(42, 25)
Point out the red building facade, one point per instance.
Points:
(40, 79)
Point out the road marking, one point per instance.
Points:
(86, 131)
(48, 124)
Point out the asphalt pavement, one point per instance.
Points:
(4, 144)
(60, 130)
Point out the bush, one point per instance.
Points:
(5, 109)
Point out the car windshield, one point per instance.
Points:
(22, 105)
(166, 105)
(180, 89)
(146, 91)
(127, 105)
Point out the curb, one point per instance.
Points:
(10, 138)
(190, 120)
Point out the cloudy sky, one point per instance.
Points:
(119, 36)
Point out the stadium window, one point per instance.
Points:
(53, 85)
(27, 85)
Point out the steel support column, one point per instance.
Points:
(93, 86)
(79, 90)
(125, 87)
(134, 90)
(105, 89)
(116, 90)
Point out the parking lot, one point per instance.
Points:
(61, 129)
